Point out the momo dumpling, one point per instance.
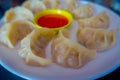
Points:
(52, 3)
(18, 13)
(98, 39)
(70, 54)
(34, 5)
(32, 48)
(12, 33)
(84, 11)
(70, 4)
(99, 21)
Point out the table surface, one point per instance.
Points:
(115, 75)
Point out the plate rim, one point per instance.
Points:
(102, 74)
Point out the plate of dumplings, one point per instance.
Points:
(88, 49)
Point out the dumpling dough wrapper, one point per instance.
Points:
(98, 39)
(33, 47)
(18, 13)
(82, 12)
(34, 5)
(52, 3)
(70, 5)
(12, 33)
(70, 54)
(98, 21)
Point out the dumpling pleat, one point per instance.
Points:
(33, 47)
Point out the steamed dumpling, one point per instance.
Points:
(11, 33)
(84, 11)
(98, 39)
(70, 4)
(33, 47)
(52, 3)
(99, 21)
(18, 13)
(34, 5)
(69, 54)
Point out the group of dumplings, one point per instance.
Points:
(91, 34)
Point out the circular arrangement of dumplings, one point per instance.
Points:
(91, 34)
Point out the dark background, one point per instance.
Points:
(114, 5)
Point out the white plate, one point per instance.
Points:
(104, 63)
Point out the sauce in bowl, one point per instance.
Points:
(52, 21)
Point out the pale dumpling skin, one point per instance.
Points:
(32, 48)
(69, 54)
(52, 3)
(18, 13)
(70, 4)
(98, 39)
(84, 11)
(34, 5)
(99, 21)
(12, 33)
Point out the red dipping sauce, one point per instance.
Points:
(52, 20)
